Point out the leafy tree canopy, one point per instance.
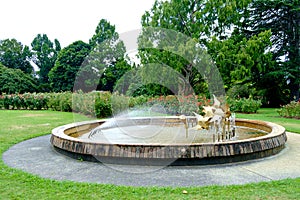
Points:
(44, 55)
(15, 81)
(104, 31)
(112, 74)
(14, 55)
(282, 17)
(69, 60)
(241, 60)
(247, 40)
(199, 20)
(106, 62)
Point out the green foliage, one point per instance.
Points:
(173, 61)
(84, 103)
(178, 105)
(241, 60)
(239, 91)
(106, 63)
(62, 75)
(99, 104)
(94, 104)
(36, 101)
(1, 102)
(16, 81)
(31, 101)
(14, 55)
(282, 17)
(104, 31)
(244, 105)
(103, 105)
(138, 101)
(201, 21)
(60, 101)
(112, 74)
(44, 55)
(246, 39)
(197, 19)
(291, 110)
(137, 88)
(119, 103)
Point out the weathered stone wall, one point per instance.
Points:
(228, 151)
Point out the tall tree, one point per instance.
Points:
(44, 55)
(282, 17)
(69, 60)
(104, 31)
(106, 62)
(112, 74)
(246, 66)
(172, 51)
(15, 55)
(199, 20)
(241, 60)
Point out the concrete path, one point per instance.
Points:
(37, 156)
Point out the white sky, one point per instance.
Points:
(67, 20)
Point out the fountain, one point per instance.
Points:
(213, 138)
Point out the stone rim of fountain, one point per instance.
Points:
(170, 154)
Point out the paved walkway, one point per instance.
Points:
(37, 156)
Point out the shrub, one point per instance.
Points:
(99, 104)
(239, 91)
(103, 106)
(65, 102)
(16, 81)
(1, 101)
(138, 101)
(32, 101)
(177, 105)
(36, 101)
(291, 110)
(60, 101)
(244, 105)
(84, 103)
(7, 101)
(53, 102)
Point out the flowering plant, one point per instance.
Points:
(291, 110)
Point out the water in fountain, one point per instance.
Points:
(136, 127)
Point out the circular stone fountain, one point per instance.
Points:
(112, 144)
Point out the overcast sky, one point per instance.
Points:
(67, 21)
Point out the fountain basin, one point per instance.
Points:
(65, 140)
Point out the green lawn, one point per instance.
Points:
(270, 114)
(16, 126)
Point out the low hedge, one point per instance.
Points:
(31, 101)
(244, 105)
(291, 110)
(96, 104)
(104, 104)
(177, 105)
